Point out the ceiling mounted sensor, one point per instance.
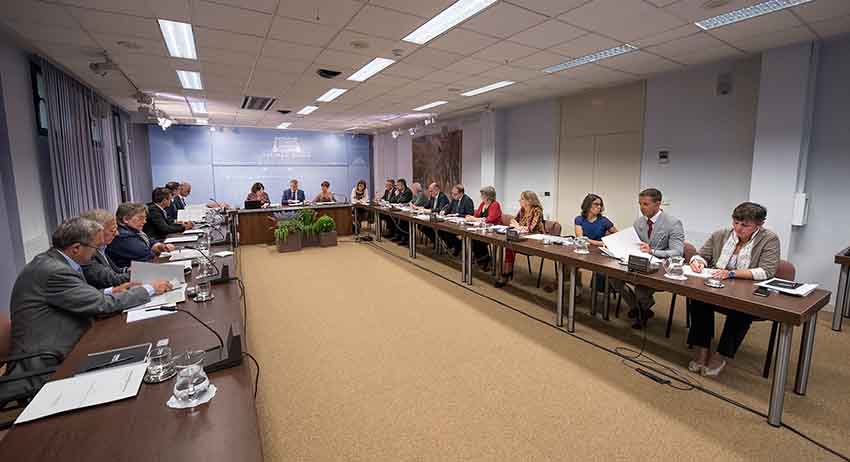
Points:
(327, 73)
(257, 103)
(398, 52)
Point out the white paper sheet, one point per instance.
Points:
(182, 239)
(705, 274)
(223, 254)
(625, 243)
(192, 214)
(84, 390)
(172, 297)
(147, 273)
(141, 315)
(801, 291)
(194, 231)
(423, 217)
(184, 254)
(540, 237)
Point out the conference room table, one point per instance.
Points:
(842, 295)
(256, 226)
(143, 428)
(788, 311)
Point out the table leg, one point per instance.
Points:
(378, 232)
(467, 247)
(356, 222)
(571, 312)
(804, 365)
(500, 260)
(464, 268)
(840, 298)
(559, 316)
(593, 294)
(780, 376)
(605, 314)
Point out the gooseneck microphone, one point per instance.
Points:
(173, 308)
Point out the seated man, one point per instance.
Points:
(101, 272)
(436, 202)
(171, 210)
(420, 198)
(52, 305)
(399, 227)
(663, 237)
(182, 193)
(159, 224)
(292, 193)
(461, 205)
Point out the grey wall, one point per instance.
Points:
(828, 176)
(141, 179)
(710, 140)
(11, 245)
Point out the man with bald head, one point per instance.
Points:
(437, 201)
(419, 196)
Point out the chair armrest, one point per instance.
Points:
(20, 357)
(15, 377)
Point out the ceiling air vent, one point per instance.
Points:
(284, 111)
(257, 103)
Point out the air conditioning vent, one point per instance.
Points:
(257, 103)
(284, 111)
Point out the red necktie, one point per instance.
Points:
(649, 231)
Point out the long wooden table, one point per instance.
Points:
(788, 311)
(842, 295)
(144, 428)
(255, 226)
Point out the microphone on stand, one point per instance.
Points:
(223, 275)
(227, 358)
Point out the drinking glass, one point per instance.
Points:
(192, 382)
(160, 365)
(581, 246)
(674, 268)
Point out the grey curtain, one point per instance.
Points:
(82, 149)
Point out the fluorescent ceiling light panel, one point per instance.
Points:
(491, 87)
(178, 38)
(202, 121)
(430, 105)
(448, 18)
(747, 13)
(593, 57)
(331, 95)
(198, 107)
(284, 125)
(373, 67)
(307, 110)
(190, 80)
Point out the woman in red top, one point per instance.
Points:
(490, 212)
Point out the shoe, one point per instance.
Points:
(484, 265)
(708, 372)
(696, 367)
(633, 313)
(638, 324)
(500, 284)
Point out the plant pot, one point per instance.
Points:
(327, 239)
(309, 239)
(291, 244)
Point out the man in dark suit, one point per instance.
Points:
(293, 193)
(437, 202)
(159, 224)
(389, 190)
(101, 272)
(52, 305)
(171, 210)
(399, 227)
(183, 192)
(461, 205)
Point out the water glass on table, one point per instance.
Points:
(192, 382)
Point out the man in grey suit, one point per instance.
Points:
(53, 305)
(663, 236)
(100, 271)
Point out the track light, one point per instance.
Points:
(412, 131)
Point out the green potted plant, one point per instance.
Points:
(325, 227)
(307, 219)
(287, 233)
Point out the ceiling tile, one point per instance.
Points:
(540, 60)
(289, 51)
(223, 84)
(407, 70)
(444, 76)
(821, 10)
(414, 88)
(58, 35)
(384, 22)
(471, 66)
(175, 10)
(231, 19)
(289, 66)
(223, 40)
(132, 7)
(233, 58)
(328, 12)
(122, 45)
(265, 6)
(331, 58)
(265, 83)
(693, 10)
(503, 20)
(238, 74)
(667, 36)
(676, 48)
(462, 41)
(547, 34)
(596, 75)
(31, 11)
(374, 46)
(423, 8)
(97, 21)
(641, 62)
(292, 30)
(516, 74)
(386, 82)
(760, 25)
(69, 53)
(549, 7)
(585, 45)
(831, 27)
(430, 57)
(776, 39)
(504, 52)
(624, 20)
(707, 55)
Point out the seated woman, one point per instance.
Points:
(490, 212)
(746, 251)
(594, 226)
(529, 220)
(360, 193)
(132, 244)
(325, 195)
(258, 193)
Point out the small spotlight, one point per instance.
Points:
(412, 131)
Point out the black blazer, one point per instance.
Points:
(462, 207)
(130, 245)
(102, 273)
(403, 197)
(178, 202)
(159, 224)
(288, 196)
(171, 211)
(438, 203)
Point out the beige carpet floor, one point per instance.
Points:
(368, 357)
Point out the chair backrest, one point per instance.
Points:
(507, 219)
(786, 270)
(5, 336)
(552, 228)
(690, 251)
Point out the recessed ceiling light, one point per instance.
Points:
(491, 87)
(307, 110)
(373, 67)
(430, 105)
(284, 125)
(202, 121)
(587, 59)
(447, 19)
(190, 80)
(178, 38)
(331, 95)
(198, 107)
(747, 13)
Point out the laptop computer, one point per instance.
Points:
(253, 204)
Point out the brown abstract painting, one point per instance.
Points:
(437, 159)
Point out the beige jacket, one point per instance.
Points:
(761, 258)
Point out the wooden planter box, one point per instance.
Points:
(291, 244)
(327, 239)
(309, 239)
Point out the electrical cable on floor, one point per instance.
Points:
(257, 376)
(649, 363)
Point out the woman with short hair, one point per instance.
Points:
(489, 211)
(258, 193)
(529, 220)
(132, 244)
(325, 195)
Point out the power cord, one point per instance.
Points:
(649, 363)
(257, 375)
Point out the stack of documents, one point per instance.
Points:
(558, 239)
(182, 239)
(195, 231)
(192, 213)
(183, 254)
(625, 243)
(788, 287)
(423, 217)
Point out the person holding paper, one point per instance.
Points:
(52, 305)
(489, 211)
(258, 193)
(662, 236)
(745, 251)
(436, 202)
(593, 225)
(159, 225)
(132, 243)
(325, 195)
(292, 194)
(529, 220)
(461, 205)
